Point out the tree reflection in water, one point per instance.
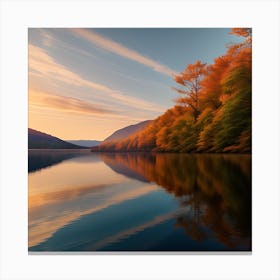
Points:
(216, 188)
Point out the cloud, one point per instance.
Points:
(42, 65)
(43, 227)
(47, 38)
(123, 51)
(66, 104)
(132, 231)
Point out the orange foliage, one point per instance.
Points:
(244, 32)
(213, 111)
(190, 79)
(211, 85)
(204, 184)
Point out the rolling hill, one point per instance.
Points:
(126, 131)
(85, 143)
(40, 140)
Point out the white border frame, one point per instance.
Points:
(17, 16)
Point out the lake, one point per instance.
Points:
(83, 201)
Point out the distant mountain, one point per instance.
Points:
(43, 158)
(85, 143)
(126, 131)
(40, 140)
(117, 163)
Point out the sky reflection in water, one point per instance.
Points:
(79, 201)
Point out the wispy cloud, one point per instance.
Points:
(42, 228)
(47, 38)
(42, 65)
(66, 104)
(121, 50)
(132, 231)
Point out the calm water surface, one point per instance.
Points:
(81, 201)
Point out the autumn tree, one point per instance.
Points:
(245, 33)
(213, 112)
(234, 133)
(211, 84)
(190, 86)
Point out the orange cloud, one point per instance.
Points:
(123, 51)
(66, 104)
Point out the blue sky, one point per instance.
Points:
(87, 83)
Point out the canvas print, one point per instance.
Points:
(139, 139)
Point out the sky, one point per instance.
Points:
(84, 84)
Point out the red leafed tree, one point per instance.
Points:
(190, 86)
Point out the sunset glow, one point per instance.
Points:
(87, 83)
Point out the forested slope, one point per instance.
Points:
(212, 112)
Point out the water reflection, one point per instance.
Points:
(139, 202)
(216, 187)
(39, 159)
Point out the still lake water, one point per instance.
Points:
(83, 201)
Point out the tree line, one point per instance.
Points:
(221, 203)
(212, 112)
